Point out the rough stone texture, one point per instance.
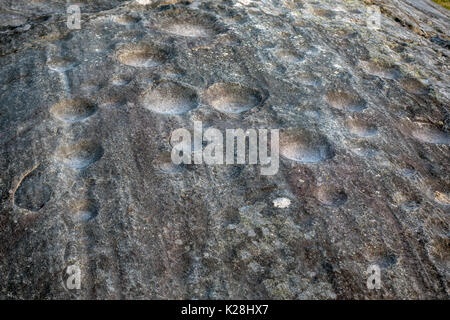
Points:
(86, 117)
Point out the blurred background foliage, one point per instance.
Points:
(444, 3)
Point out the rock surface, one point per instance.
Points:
(86, 177)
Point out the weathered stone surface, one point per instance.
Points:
(86, 176)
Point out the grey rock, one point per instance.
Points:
(86, 176)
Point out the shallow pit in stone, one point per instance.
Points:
(190, 24)
(33, 192)
(168, 97)
(305, 146)
(429, 133)
(142, 55)
(189, 30)
(345, 100)
(324, 13)
(113, 102)
(120, 80)
(307, 78)
(361, 128)
(165, 164)
(414, 86)
(60, 64)
(125, 19)
(288, 56)
(232, 97)
(380, 69)
(73, 110)
(80, 155)
(83, 211)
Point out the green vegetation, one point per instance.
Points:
(444, 3)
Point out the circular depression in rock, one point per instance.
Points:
(345, 100)
(429, 134)
(73, 110)
(170, 98)
(307, 78)
(81, 154)
(185, 29)
(125, 19)
(288, 56)
(120, 80)
(325, 13)
(331, 196)
(186, 23)
(361, 128)
(113, 102)
(304, 146)
(232, 97)
(165, 164)
(414, 86)
(84, 210)
(33, 192)
(380, 69)
(142, 55)
(62, 64)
